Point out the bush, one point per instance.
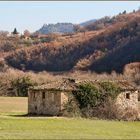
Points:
(71, 108)
(108, 110)
(21, 85)
(129, 114)
(90, 95)
(97, 100)
(3, 66)
(110, 89)
(87, 95)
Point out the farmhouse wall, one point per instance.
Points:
(46, 102)
(64, 99)
(131, 101)
(127, 106)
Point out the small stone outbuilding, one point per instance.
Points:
(49, 99)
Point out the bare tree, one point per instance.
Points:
(77, 28)
(3, 34)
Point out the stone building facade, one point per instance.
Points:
(48, 99)
(127, 99)
(127, 105)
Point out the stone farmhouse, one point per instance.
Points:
(50, 99)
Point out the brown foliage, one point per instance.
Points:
(94, 51)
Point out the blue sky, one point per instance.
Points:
(32, 15)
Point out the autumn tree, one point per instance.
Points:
(3, 34)
(77, 28)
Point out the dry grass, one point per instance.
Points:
(10, 105)
(45, 77)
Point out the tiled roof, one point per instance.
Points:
(65, 85)
(69, 85)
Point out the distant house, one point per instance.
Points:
(50, 99)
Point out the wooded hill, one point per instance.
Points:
(105, 49)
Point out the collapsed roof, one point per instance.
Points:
(71, 84)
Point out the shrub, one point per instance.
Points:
(110, 89)
(108, 110)
(3, 66)
(97, 100)
(129, 114)
(87, 95)
(91, 95)
(71, 108)
(21, 85)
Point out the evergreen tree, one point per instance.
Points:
(124, 12)
(15, 31)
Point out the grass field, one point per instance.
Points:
(13, 105)
(13, 126)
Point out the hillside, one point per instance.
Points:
(89, 22)
(109, 21)
(103, 50)
(118, 58)
(56, 28)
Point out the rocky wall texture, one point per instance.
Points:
(127, 105)
(46, 102)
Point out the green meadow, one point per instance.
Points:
(14, 124)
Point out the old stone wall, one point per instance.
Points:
(127, 104)
(45, 102)
(64, 99)
(124, 102)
